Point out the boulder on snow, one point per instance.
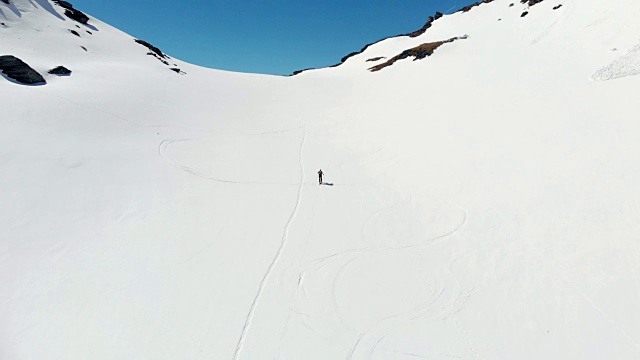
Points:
(77, 15)
(19, 71)
(557, 7)
(60, 70)
(524, 14)
(74, 33)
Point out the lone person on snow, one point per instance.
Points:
(320, 173)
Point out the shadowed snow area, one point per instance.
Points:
(483, 202)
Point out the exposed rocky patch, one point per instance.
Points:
(524, 14)
(6, 1)
(531, 2)
(419, 52)
(19, 71)
(60, 70)
(557, 7)
(177, 70)
(154, 49)
(77, 15)
(84, 48)
(158, 54)
(301, 71)
(64, 4)
(158, 57)
(376, 58)
(469, 7)
(426, 26)
(418, 32)
(74, 33)
(72, 13)
(89, 32)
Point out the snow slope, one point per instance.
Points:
(483, 201)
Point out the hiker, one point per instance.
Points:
(320, 173)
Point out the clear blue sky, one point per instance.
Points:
(270, 37)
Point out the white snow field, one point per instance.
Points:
(484, 201)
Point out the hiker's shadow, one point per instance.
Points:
(327, 184)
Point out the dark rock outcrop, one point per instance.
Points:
(376, 58)
(19, 71)
(469, 7)
(152, 48)
(524, 14)
(301, 71)
(84, 48)
(72, 13)
(6, 1)
(416, 33)
(64, 4)
(158, 57)
(531, 2)
(424, 27)
(60, 70)
(419, 52)
(557, 7)
(74, 33)
(77, 15)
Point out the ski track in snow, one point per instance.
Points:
(372, 335)
(369, 339)
(274, 262)
(162, 151)
(565, 13)
(597, 308)
(298, 289)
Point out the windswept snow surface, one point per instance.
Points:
(484, 201)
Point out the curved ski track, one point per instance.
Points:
(162, 150)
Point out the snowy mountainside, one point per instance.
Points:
(501, 26)
(42, 35)
(481, 202)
